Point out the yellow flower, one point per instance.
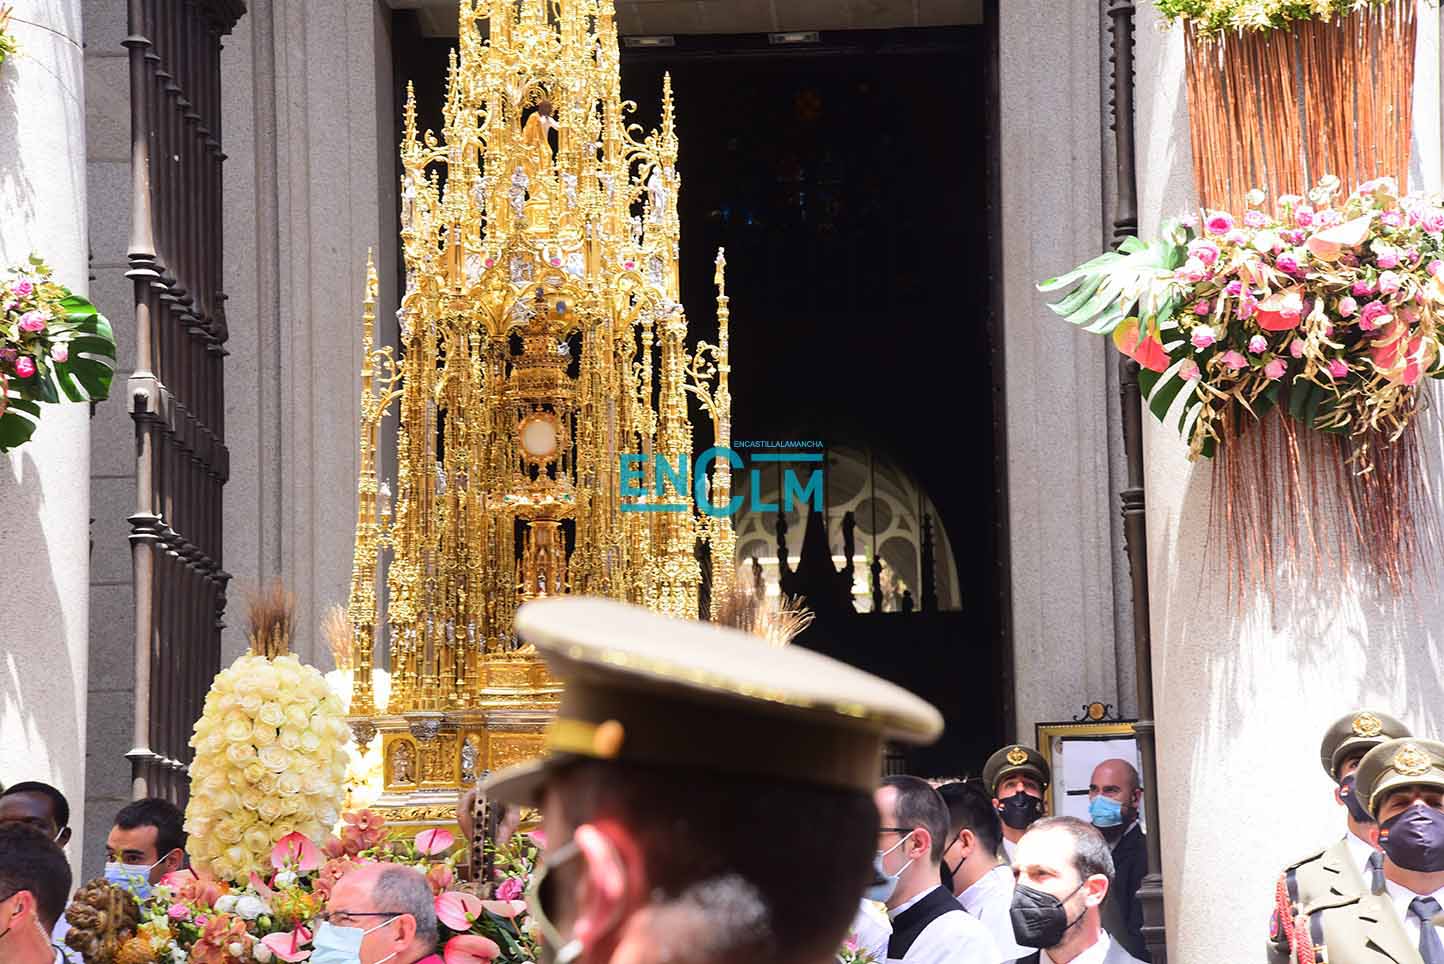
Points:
(239, 754)
(275, 758)
(271, 714)
(238, 729)
(291, 738)
(263, 735)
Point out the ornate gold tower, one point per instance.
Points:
(541, 340)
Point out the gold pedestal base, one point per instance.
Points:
(429, 758)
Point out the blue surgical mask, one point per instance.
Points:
(134, 878)
(885, 883)
(1105, 811)
(342, 945)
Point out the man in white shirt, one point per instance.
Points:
(1064, 870)
(1016, 776)
(972, 869)
(1401, 783)
(928, 926)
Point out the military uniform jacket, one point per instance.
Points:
(1322, 877)
(1354, 930)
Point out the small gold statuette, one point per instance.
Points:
(1411, 761)
(1017, 756)
(1367, 724)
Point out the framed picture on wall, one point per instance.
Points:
(1074, 748)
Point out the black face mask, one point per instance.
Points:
(1351, 800)
(1020, 810)
(1414, 839)
(1039, 919)
(949, 872)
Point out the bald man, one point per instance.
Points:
(1113, 799)
(381, 913)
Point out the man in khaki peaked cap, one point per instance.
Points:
(1016, 776)
(1348, 866)
(1401, 783)
(706, 797)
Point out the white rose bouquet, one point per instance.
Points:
(270, 760)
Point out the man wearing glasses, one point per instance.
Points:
(706, 797)
(929, 926)
(378, 914)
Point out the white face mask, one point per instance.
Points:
(342, 945)
(132, 877)
(885, 883)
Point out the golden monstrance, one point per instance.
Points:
(541, 339)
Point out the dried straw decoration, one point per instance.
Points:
(336, 631)
(270, 613)
(779, 621)
(1280, 109)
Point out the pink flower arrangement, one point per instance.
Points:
(1354, 286)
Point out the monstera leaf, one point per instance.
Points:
(83, 377)
(1131, 293)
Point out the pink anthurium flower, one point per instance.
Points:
(505, 908)
(458, 909)
(434, 841)
(1328, 244)
(295, 850)
(1281, 310)
(470, 949)
(287, 945)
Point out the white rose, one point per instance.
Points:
(226, 903)
(261, 952)
(236, 948)
(251, 907)
(286, 878)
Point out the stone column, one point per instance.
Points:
(1244, 697)
(310, 133)
(45, 484)
(1059, 405)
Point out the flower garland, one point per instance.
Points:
(272, 916)
(270, 762)
(1332, 313)
(54, 345)
(1213, 17)
(1325, 315)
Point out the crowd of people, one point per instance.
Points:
(665, 845)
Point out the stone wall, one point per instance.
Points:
(1062, 445)
(308, 109)
(44, 496)
(1244, 696)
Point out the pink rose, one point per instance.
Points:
(1363, 287)
(1275, 369)
(1192, 272)
(1329, 218)
(1435, 267)
(24, 366)
(1247, 306)
(1338, 369)
(178, 911)
(1387, 258)
(1218, 222)
(1391, 218)
(1304, 217)
(1203, 336)
(1296, 348)
(1389, 283)
(22, 289)
(510, 889)
(1204, 250)
(1347, 306)
(33, 321)
(1434, 223)
(1258, 344)
(1234, 288)
(1373, 315)
(1287, 263)
(1254, 219)
(1233, 360)
(1236, 236)
(1202, 308)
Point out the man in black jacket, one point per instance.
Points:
(1113, 798)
